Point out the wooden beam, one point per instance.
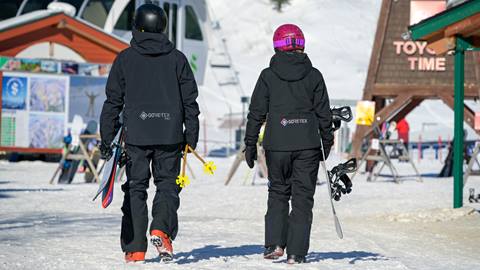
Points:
(358, 137)
(408, 109)
(464, 28)
(64, 24)
(432, 91)
(389, 111)
(443, 45)
(377, 48)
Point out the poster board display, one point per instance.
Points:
(53, 67)
(34, 111)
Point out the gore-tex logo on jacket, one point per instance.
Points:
(286, 122)
(145, 116)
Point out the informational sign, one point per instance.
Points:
(34, 110)
(14, 92)
(365, 113)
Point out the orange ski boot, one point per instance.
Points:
(135, 257)
(163, 244)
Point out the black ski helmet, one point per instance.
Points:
(150, 18)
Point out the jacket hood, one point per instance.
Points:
(290, 66)
(151, 43)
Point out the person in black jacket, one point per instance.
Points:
(292, 98)
(153, 85)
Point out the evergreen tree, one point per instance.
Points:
(278, 4)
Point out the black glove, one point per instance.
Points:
(193, 145)
(106, 150)
(184, 144)
(250, 155)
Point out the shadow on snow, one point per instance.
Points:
(214, 251)
(354, 256)
(4, 191)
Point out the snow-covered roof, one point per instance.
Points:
(26, 18)
(45, 13)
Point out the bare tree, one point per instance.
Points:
(278, 4)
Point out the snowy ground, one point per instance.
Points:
(387, 225)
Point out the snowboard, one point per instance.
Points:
(110, 171)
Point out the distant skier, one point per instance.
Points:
(153, 84)
(292, 98)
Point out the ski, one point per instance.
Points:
(110, 171)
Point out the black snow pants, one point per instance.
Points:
(292, 176)
(165, 166)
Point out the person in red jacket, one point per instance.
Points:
(403, 129)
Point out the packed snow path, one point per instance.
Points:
(386, 225)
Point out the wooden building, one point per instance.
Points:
(403, 73)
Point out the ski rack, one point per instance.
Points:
(385, 157)
(83, 156)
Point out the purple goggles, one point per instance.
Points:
(289, 41)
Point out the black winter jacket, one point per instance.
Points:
(153, 84)
(292, 98)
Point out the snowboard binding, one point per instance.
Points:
(340, 183)
(341, 114)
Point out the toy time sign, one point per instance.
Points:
(418, 56)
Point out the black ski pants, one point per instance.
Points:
(292, 176)
(164, 162)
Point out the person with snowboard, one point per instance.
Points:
(292, 98)
(153, 84)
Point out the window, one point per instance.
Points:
(97, 11)
(192, 27)
(126, 18)
(9, 8)
(171, 11)
(76, 3)
(33, 5)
